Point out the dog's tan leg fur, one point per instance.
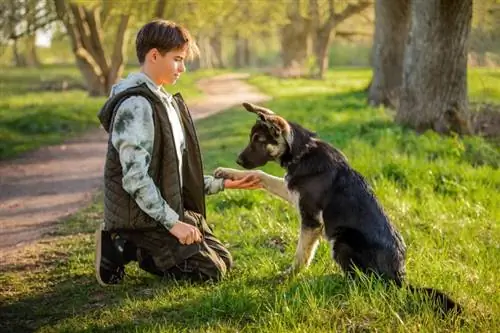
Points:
(272, 184)
(306, 248)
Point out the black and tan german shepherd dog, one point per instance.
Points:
(332, 200)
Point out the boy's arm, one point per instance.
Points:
(213, 185)
(132, 136)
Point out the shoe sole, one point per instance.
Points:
(98, 254)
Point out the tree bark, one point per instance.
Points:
(434, 88)
(295, 37)
(324, 33)
(31, 55)
(392, 20)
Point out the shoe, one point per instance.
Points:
(109, 265)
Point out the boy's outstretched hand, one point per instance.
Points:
(249, 182)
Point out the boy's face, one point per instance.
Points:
(168, 68)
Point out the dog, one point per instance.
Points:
(332, 199)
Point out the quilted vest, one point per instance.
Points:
(121, 212)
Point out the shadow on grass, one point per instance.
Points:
(65, 298)
(237, 304)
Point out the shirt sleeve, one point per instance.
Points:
(132, 136)
(213, 185)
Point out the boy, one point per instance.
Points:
(154, 187)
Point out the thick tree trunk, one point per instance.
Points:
(294, 50)
(392, 20)
(434, 89)
(295, 37)
(31, 56)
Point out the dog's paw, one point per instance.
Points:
(224, 173)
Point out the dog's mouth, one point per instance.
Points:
(244, 163)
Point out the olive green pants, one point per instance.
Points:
(159, 252)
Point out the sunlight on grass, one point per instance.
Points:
(442, 193)
(31, 117)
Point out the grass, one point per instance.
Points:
(442, 193)
(31, 117)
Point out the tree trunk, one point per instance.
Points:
(295, 37)
(216, 45)
(322, 33)
(434, 88)
(18, 58)
(321, 47)
(241, 52)
(160, 8)
(391, 30)
(31, 56)
(84, 28)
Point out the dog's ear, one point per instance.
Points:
(259, 110)
(277, 125)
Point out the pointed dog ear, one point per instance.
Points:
(259, 110)
(277, 125)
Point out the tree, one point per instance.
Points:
(434, 88)
(19, 23)
(392, 19)
(322, 32)
(84, 26)
(295, 38)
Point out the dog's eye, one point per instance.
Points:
(258, 138)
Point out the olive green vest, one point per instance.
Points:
(121, 212)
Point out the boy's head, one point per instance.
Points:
(162, 46)
(164, 36)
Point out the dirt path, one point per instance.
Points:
(45, 186)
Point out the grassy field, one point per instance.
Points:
(32, 115)
(442, 193)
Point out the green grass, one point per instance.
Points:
(30, 118)
(442, 193)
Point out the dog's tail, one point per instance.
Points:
(444, 302)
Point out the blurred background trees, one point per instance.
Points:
(418, 70)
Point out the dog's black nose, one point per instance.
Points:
(240, 161)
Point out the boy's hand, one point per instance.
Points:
(249, 182)
(186, 233)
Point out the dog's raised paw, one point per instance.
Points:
(222, 173)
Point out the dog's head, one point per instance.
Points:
(270, 138)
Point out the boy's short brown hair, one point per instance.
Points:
(165, 36)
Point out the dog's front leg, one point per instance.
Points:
(272, 184)
(306, 248)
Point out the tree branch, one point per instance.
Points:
(32, 28)
(93, 19)
(117, 57)
(351, 10)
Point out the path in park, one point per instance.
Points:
(42, 187)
